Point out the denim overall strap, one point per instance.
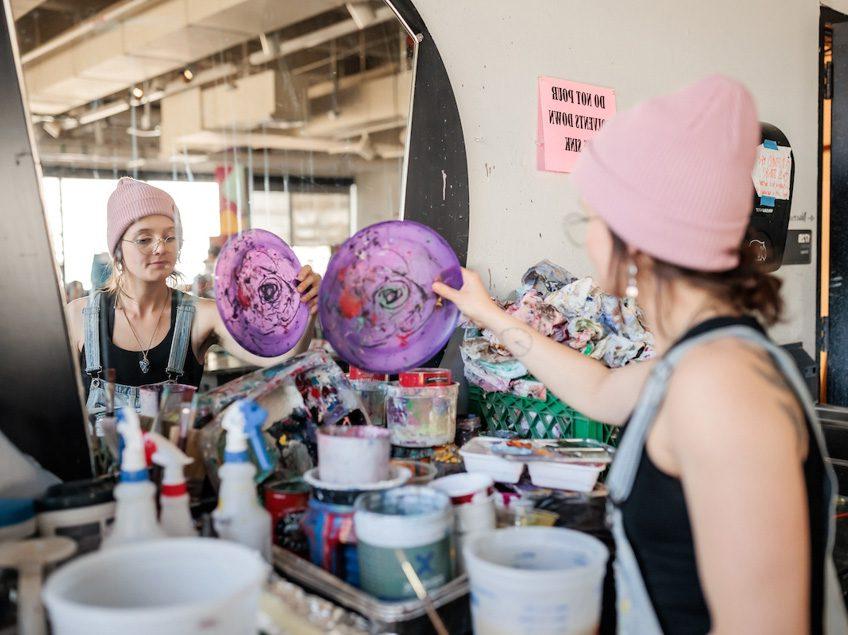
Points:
(91, 325)
(635, 610)
(181, 341)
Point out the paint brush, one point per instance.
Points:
(421, 592)
(110, 392)
(163, 401)
(186, 413)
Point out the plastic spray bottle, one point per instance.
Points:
(135, 513)
(239, 516)
(175, 514)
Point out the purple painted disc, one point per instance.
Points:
(256, 293)
(377, 306)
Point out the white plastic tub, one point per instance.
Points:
(540, 580)
(499, 469)
(576, 477)
(167, 587)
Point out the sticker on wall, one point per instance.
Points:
(377, 306)
(256, 293)
(772, 172)
(569, 115)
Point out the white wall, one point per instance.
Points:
(378, 192)
(494, 50)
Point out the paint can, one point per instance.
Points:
(286, 501)
(353, 454)
(167, 587)
(422, 417)
(332, 542)
(406, 524)
(536, 580)
(80, 510)
(420, 377)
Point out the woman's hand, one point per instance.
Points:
(310, 284)
(473, 299)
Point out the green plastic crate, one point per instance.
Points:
(550, 419)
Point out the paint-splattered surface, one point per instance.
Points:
(377, 306)
(256, 293)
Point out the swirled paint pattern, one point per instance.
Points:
(256, 293)
(377, 307)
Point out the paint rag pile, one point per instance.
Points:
(570, 310)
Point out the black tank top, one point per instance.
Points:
(656, 520)
(125, 363)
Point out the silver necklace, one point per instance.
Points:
(143, 362)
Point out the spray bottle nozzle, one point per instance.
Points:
(243, 421)
(133, 462)
(172, 460)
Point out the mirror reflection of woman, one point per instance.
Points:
(140, 326)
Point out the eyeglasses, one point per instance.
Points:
(576, 227)
(147, 245)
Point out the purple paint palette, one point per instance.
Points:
(377, 306)
(256, 293)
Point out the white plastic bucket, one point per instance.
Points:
(167, 587)
(540, 580)
(413, 521)
(353, 455)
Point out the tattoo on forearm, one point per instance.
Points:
(517, 340)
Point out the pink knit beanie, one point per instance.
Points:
(672, 176)
(131, 201)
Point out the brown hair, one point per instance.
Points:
(746, 289)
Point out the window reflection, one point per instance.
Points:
(285, 116)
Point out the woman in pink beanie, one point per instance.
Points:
(720, 499)
(139, 326)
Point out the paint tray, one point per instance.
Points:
(407, 617)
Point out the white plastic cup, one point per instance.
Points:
(353, 455)
(167, 587)
(474, 518)
(540, 580)
(465, 487)
(471, 520)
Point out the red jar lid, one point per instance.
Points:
(358, 373)
(420, 377)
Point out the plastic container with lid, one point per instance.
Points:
(422, 417)
(17, 518)
(80, 510)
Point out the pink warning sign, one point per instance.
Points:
(570, 114)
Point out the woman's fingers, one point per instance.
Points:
(311, 294)
(448, 293)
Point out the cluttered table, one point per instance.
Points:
(377, 501)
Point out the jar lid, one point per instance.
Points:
(15, 510)
(75, 494)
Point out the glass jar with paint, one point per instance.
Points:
(422, 416)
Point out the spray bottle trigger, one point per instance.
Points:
(254, 417)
